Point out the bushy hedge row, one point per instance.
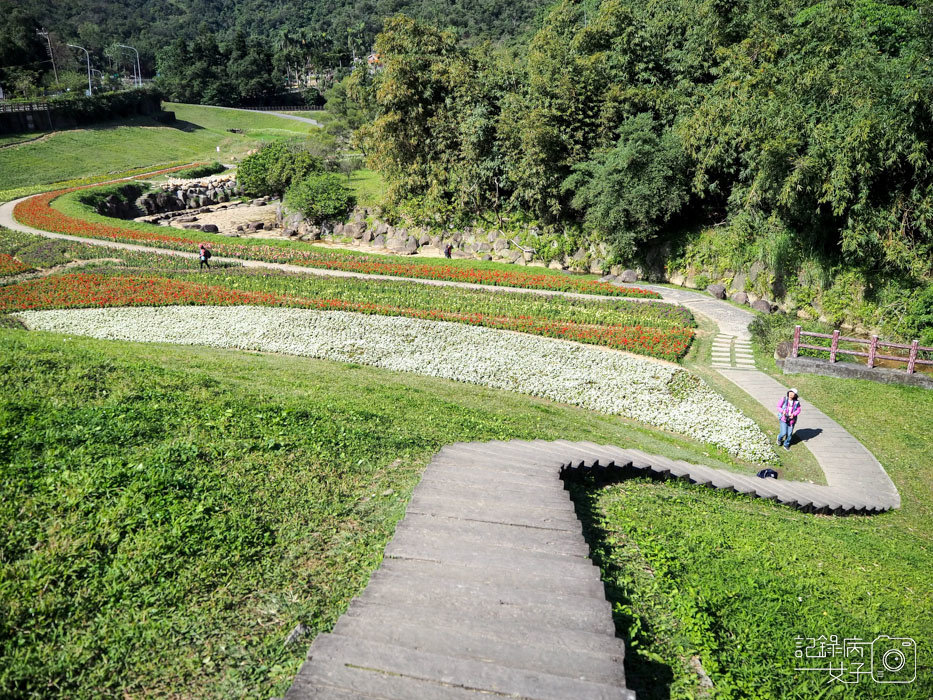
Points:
(201, 171)
(81, 109)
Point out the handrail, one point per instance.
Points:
(912, 360)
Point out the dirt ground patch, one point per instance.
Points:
(226, 220)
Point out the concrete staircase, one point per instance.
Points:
(486, 589)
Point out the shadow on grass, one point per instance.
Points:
(649, 679)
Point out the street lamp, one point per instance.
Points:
(90, 90)
(139, 73)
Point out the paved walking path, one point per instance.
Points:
(845, 461)
(9, 221)
(486, 589)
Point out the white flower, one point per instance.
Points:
(656, 393)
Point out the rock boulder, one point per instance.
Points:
(762, 305)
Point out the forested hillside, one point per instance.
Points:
(695, 134)
(335, 28)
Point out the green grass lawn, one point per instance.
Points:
(368, 187)
(139, 142)
(171, 514)
(733, 581)
(10, 139)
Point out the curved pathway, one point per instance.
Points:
(486, 588)
(847, 463)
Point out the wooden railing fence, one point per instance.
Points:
(912, 358)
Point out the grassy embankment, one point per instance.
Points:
(733, 582)
(114, 147)
(170, 514)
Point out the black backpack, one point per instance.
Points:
(207, 254)
(767, 474)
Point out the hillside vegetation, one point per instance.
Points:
(695, 136)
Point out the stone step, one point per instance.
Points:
(337, 651)
(569, 568)
(500, 483)
(494, 576)
(494, 493)
(518, 514)
(536, 633)
(428, 573)
(479, 601)
(541, 478)
(324, 681)
(533, 539)
(511, 543)
(469, 644)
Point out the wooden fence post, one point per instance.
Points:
(912, 360)
(834, 346)
(796, 348)
(872, 350)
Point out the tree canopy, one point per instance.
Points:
(623, 117)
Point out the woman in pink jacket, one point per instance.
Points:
(788, 410)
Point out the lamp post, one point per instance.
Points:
(139, 73)
(90, 89)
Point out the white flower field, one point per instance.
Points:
(656, 393)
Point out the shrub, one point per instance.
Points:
(201, 171)
(275, 168)
(320, 197)
(127, 193)
(917, 323)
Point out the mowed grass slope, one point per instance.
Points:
(139, 142)
(170, 514)
(733, 581)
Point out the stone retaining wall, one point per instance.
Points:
(851, 370)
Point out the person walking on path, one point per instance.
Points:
(788, 410)
(204, 256)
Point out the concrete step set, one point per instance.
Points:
(730, 352)
(486, 589)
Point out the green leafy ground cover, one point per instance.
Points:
(734, 581)
(170, 514)
(141, 142)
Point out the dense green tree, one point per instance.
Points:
(629, 191)
(320, 197)
(275, 168)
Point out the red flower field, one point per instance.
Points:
(38, 212)
(10, 265)
(96, 290)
